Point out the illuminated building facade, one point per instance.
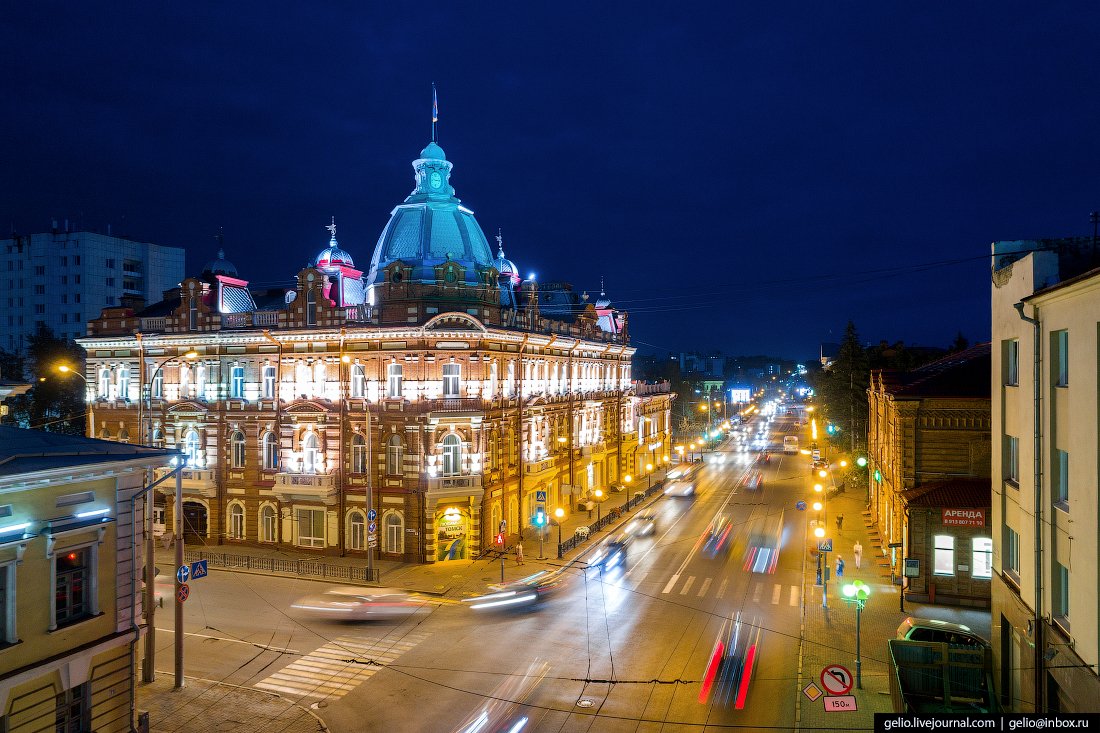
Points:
(437, 388)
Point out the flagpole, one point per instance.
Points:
(435, 110)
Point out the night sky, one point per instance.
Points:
(746, 176)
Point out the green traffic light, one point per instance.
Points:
(861, 461)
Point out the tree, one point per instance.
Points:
(843, 388)
(56, 400)
(11, 369)
(960, 343)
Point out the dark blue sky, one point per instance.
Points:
(746, 176)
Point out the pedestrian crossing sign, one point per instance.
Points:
(825, 545)
(198, 570)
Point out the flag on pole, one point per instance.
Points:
(435, 105)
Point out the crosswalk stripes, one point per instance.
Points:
(759, 589)
(338, 667)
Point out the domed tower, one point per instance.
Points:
(220, 266)
(345, 283)
(332, 258)
(431, 228)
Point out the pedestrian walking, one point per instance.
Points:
(857, 551)
(519, 554)
(839, 566)
(839, 521)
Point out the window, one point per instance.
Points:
(110, 263)
(110, 282)
(74, 710)
(943, 562)
(123, 435)
(270, 452)
(267, 524)
(1061, 593)
(193, 314)
(76, 260)
(236, 522)
(982, 566)
(39, 289)
(1010, 362)
(393, 456)
(7, 604)
(1060, 479)
(1011, 562)
(452, 380)
(311, 527)
(1061, 358)
(356, 531)
(200, 380)
(39, 309)
(269, 381)
(236, 382)
(311, 454)
(393, 381)
(452, 455)
(311, 308)
(358, 454)
(191, 447)
(395, 533)
(1011, 459)
(236, 450)
(358, 381)
(158, 438)
(122, 379)
(158, 385)
(39, 269)
(74, 585)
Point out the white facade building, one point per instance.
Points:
(63, 279)
(1046, 323)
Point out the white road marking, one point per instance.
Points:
(794, 595)
(671, 583)
(687, 585)
(722, 588)
(703, 588)
(756, 592)
(776, 592)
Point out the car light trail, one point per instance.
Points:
(506, 601)
(712, 669)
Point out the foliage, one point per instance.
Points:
(56, 401)
(11, 369)
(842, 388)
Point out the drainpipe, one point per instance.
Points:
(1037, 623)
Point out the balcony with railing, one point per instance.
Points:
(537, 468)
(308, 486)
(153, 324)
(199, 481)
(470, 482)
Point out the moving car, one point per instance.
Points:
(680, 488)
(752, 481)
(355, 603)
(642, 524)
(525, 591)
(929, 629)
(790, 444)
(610, 553)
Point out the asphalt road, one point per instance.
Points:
(621, 650)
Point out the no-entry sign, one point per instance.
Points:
(836, 680)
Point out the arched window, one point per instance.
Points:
(356, 531)
(192, 447)
(122, 379)
(394, 456)
(311, 308)
(236, 449)
(452, 455)
(393, 381)
(158, 438)
(269, 382)
(358, 381)
(270, 451)
(395, 533)
(268, 526)
(103, 385)
(494, 518)
(123, 435)
(236, 522)
(311, 453)
(104, 434)
(193, 314)
(452, 380)
(358, 454)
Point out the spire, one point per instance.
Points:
(500, 244)
(332, 230)
(435, 110)
(602, 293)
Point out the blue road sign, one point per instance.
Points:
(372, 527)
(372, 515)
(198, 570)
(540, 496)
(825, 545)
(183, 573)
(800, 506)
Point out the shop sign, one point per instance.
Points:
(964, 517)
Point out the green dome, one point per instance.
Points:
(433, 152)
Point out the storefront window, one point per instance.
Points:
(983, 558)
(943, 563)
(311, 527)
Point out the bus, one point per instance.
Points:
(790, 444)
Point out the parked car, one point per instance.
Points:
(929, 629)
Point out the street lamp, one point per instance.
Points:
(559, 514)
(66, 369)
(857, 593)
(598, 493)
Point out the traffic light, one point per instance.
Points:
(861, 461)
(540, 518)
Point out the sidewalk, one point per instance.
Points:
(206, 706)
(829, 634)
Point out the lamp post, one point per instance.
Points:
(66, 369)
(598, 493)
(559, 514)
(856, 593)
(649, 476)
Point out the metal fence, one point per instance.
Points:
(303, 567)
(612, 515)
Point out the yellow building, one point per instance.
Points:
(70, 555)
(408, 409)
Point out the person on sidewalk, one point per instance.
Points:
(839, 521)
(839, 566)
(519, 554)
(857, 552)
